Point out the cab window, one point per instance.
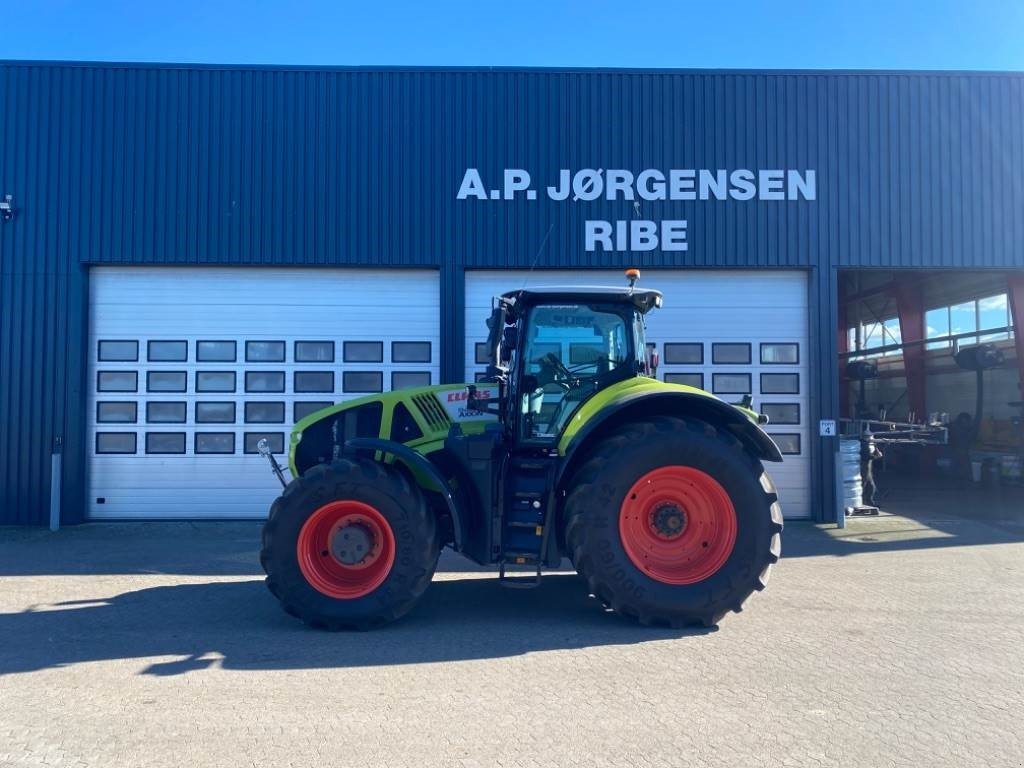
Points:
(569, 353)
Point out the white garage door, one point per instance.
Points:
(191, 367)
(731, 333)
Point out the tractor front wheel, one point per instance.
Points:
(350, 545)
(672, 522)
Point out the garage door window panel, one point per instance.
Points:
(314, 351)
(118, 351)
(264, 413)
(165, 442)
(683, 353)
(167, 351)
(216, 351)
(730, 354)
(166, 381)
(410, 352)
(215, 381)
(264, 381)
(363, 351)
(117, 381)
(159, 412)
(215, 413)
(780, 354)
(301, 408)
(789, 443)
(688, 379)
(117, 412)
(409, 379)
(781, 413)
(275, 441)
(116, 442)
(214, 442)
(264, 351)
(780, 384)
(363, 381)
(732, 384)
(313, 381)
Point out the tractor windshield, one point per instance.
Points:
(570, 351)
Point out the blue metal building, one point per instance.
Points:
(136, 190)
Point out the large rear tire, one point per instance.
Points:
(350, 545)
(672, 522)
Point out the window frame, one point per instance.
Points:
(101, 342)
(799, 415)
(764, 344)
(149, 350)
(135, 443)
(745, 344)
(232, 342)
(665, 351)
(232, 403)
(184, 410)
(99, 376)
(247, 435)
(346, 390)
(184, 444)
(429, 375)
(247, 403)
(197, 452)
(245, 382)
(133, 403)
(284, 351)
(295, 383)
(747, 374)
(150, 390)
(761, 388)
(232, 391)
(430, 352)
(297, 342)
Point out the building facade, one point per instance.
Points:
(195, 256)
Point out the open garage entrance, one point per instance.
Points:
(931, 368)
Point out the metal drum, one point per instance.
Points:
(849, 461)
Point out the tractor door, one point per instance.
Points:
(569, 352)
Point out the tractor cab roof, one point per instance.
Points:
(643, 299)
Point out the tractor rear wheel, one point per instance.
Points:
(350, 545)
(671, 522)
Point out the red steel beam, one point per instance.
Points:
(910, 309)
(844, 346)
(1015, 286)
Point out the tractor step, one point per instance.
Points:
(516, 581)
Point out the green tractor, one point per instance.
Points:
(569, 448)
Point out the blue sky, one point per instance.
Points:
(939, 34)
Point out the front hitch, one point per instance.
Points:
(263, 448)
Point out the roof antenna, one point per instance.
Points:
(536, 256)
(632, 274)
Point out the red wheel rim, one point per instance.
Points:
(677, 525)
(346, 549)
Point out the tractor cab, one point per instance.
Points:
(551, 349)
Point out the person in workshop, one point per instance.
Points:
(869, 452)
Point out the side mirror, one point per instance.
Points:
(651, 360)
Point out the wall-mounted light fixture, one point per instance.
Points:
(7, 208)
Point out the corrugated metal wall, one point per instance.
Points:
(206, 165)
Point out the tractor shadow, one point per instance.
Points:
(237, 625)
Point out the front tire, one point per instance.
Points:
(672, 522)
(350, 545)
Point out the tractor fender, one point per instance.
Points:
(421, 463)
(634, 407)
